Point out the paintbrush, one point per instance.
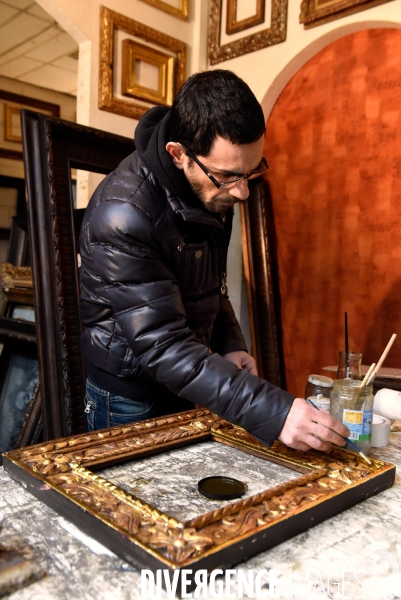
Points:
(382, 359)
(346, 345)
(346, 439)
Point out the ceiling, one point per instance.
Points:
(35, 49)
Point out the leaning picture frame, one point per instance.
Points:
(63, 474)
(18, 391)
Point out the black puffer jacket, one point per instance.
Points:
(152, 307)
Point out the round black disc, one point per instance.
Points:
(221, 488)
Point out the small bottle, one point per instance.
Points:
(318, 384)
(354, 407)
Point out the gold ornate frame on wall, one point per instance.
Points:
(315, 13)
(19, 101)
(110, 21)
(275, 34)
(181, 13)
(233, 26)
(62, 474)
(132, 52)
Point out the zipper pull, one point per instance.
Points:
(181, 246)
(223, 288)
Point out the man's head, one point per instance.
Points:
(215, 104)
(216, 119)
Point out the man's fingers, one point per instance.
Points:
(329, 422)
(306, 427)
(328, 435)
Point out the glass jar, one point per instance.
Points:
(349, 365)
(353, 407)
(318, 384)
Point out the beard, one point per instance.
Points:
(220, 203)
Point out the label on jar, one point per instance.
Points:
(359, 422)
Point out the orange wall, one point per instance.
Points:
(334, 145)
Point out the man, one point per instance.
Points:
(159, 329)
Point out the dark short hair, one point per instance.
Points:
(215, 103)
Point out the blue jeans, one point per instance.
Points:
(105, 409)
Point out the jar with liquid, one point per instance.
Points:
(318, 384)
(354, 407)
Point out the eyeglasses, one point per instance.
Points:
(264, 166)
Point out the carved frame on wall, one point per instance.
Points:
(132, 52)
(49, 107)
(275, 34)
(314, 14)
(233, 26)
(52, 148)
(110, 21)
(62, 474)
(181, 13)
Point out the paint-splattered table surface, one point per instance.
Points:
(358, 552)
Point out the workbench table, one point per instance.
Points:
(359, 551)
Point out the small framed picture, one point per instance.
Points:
(19, 376)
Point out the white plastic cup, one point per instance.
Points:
(387, 403)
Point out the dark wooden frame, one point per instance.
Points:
(311, 16)
(234, 26)
(54, 109)
(274, 34)
(262, 283)
(52, 148)
(62, 474)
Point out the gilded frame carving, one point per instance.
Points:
(233, 26)
(274, 34)
(110, 21)
(62, 474)
(315, 13)
(180, 13)
(132, 52)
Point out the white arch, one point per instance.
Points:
(71, 26)
(306, 53)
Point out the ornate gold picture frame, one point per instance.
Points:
(10, 135)
(134, 53)
(314, 12)
(274, 34)
(62, 474)
(181, 12)
(233, 25)
(110, 22)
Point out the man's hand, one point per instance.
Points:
(306, 427)
(243, 360)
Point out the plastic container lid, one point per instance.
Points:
(221, 488)
(321, 380)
